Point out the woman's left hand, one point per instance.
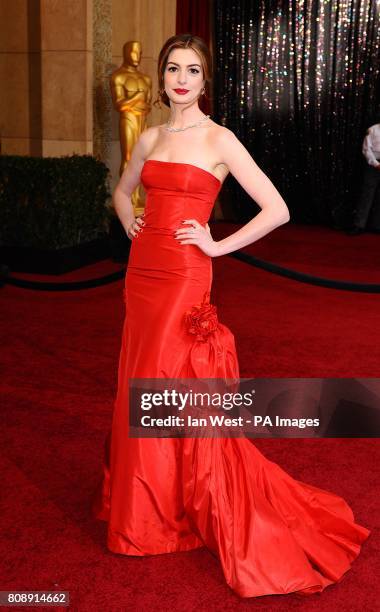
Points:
(196, 234)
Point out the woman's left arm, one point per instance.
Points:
(274, 211)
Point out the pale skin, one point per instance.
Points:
(209, 146)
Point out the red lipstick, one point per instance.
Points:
(181, 91)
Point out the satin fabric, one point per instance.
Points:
(272, 533)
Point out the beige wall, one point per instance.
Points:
(45, 77)
(15, 67)
(46, 70)
(66, 63)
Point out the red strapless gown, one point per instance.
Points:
(273, 534)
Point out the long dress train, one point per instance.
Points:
(273, 534)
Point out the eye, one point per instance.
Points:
(194, 70)
(172, 68)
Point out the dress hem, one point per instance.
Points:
(130, 550)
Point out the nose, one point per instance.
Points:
(181, 78)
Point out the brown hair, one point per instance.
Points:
(183, 41)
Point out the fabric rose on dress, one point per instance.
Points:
(201, 319)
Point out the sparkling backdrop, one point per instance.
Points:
(299, 83)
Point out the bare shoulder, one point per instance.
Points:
(222, 134)
(150, 132)
(229, 149)
(222, 141)
(147, 139)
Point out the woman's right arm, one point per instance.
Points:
(128, 182)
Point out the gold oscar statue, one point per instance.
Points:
(131, 94)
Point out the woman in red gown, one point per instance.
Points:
(273, 534)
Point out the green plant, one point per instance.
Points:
(52, 202)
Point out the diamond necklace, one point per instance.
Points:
(172, 129)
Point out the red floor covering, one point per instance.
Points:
(59, 369)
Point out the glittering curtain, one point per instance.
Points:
(298, 82)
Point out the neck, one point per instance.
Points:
(181, 115)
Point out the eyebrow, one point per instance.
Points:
(188, 65)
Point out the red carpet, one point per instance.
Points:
(59, 372)
(316, 250)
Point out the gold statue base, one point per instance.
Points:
(138, 202)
